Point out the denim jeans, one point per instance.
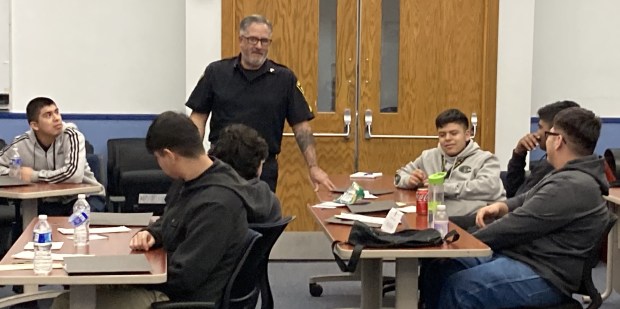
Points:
(490, 282)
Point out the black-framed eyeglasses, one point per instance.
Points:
(254, 40)
(547, 133)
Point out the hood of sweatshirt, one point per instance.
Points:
(591, 165)
(260, 203)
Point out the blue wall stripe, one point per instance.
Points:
(603, 120)
(88, 116)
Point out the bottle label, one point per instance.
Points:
(78, 218)
(16, 161)
(42, 238)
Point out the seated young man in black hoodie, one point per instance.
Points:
(245, 151)
(203, 225)
(541, 239)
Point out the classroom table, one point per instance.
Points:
(82, 287)
(29, 195)
(406, 259)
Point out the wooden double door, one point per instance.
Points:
(390, 65)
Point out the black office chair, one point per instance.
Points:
(587, 287)
(132, 171)
(271, 232)
(241, 291)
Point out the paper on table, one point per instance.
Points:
(29, 255)
(365, 219)
(328, 205)
(56, 245)
(98, 230)
(368, 195)
(92, 237)
(22, 266)
(365, 175)
(407, 209)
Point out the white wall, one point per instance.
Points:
(514, 75)
(104, 56)
(4, 46)
(577, 54)
(203, 33)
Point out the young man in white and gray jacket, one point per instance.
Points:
(472, 179)
(52, 151)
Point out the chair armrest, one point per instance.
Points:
(178, 305)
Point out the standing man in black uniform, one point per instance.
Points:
(255, 91)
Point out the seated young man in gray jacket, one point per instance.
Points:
(541, 239)
(472, 178)
(52, 151)
(245, 151)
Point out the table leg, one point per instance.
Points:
(372, 283)
(83, 297)
(406, 283)
(29, 211)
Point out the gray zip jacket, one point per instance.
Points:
(553, 226)
(64, 161)
(471, 185)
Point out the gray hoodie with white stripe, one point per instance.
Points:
(63, 162)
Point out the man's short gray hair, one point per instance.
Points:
(251, 19)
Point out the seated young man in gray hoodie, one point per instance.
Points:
(52, 151)
(472, 178)
(245, 151)
(541, 239)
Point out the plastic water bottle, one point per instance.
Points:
(441, 220)
(80, 219)
(42, 238)
(15, 165)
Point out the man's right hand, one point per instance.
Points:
(527, 143)
(143, 240)
(492, 211)
(416, 178)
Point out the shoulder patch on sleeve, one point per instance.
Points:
(301, 89)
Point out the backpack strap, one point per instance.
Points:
(353, 260)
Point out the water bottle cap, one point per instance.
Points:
(82, 196)
(42, 217)
(437, 178)
(441, 207)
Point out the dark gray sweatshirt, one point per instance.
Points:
(553, 226)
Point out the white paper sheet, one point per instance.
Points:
(365, 219)
(365, 175)
(367, 195)
(92, 237)
(407, 209)
(56, 245)
(29, 255)
(328, 205)
(22, 266)
(98, 230)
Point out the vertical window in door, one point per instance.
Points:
(390, 38)
(327, 56)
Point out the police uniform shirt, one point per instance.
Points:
(261, 99)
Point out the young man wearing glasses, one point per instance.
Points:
(517, 181)
(260, 93)
(540, 239)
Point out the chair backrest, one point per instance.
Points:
(271, 232)
(241, 291)
(587, 285)
(127, 154)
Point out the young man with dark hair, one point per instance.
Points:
(52, 151)
(541, 239)
(203, 225)
(472, 178)
(516, 180)
(245, 151)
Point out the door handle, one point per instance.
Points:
(347, 127)
(368, 130)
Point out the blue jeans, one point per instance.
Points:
(490, 282)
